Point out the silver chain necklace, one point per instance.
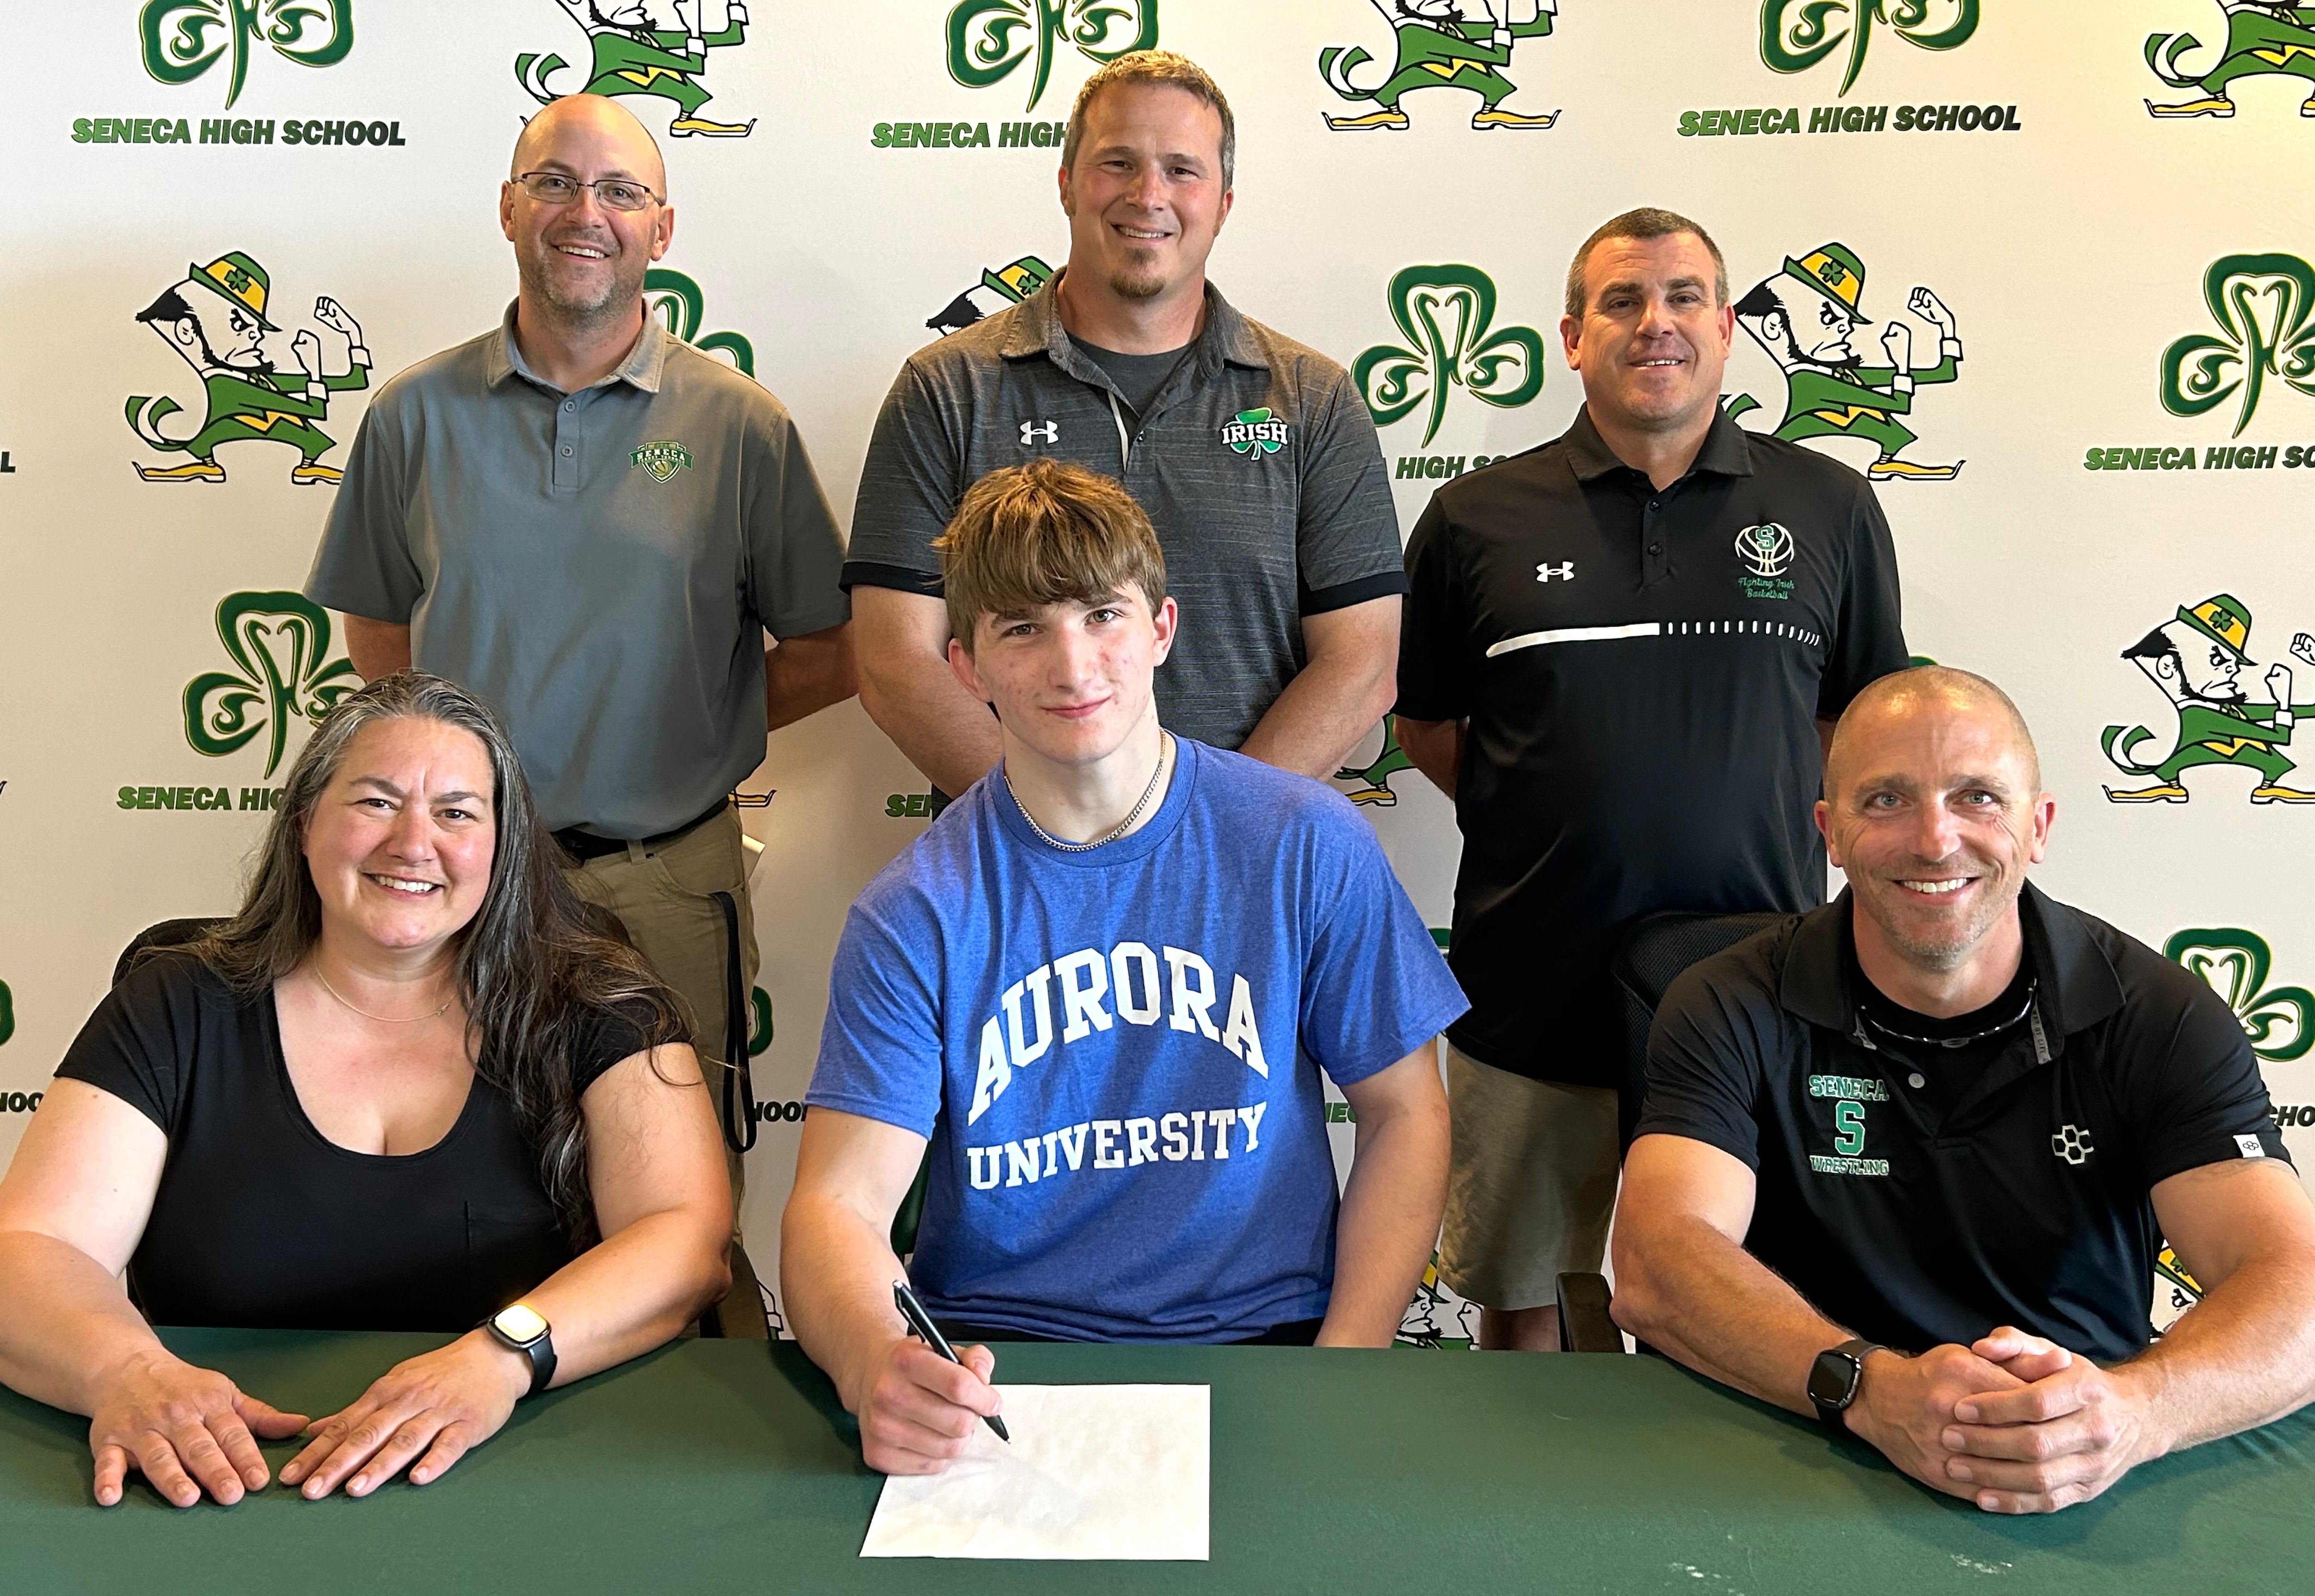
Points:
(1957, 1042)
(1114, 832)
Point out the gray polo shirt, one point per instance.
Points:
(600, 567)
(1257, 462)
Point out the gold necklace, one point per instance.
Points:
(381, 1019)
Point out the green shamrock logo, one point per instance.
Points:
(988, 38)
(1797, 34)
(2235, 962)
(1252, 433)
(1446, 314)
(676, 298)
(184, 39)
(2266, 306)
(279, 641)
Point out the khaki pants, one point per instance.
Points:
(662, 893)
(1531, 1184)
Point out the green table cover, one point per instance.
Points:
(713, 1466)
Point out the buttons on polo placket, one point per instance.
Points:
(1655, 567)
(567, 449)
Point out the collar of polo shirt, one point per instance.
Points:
(2079, 986)
(1726, 450)
(1038, 331)
(642, 369)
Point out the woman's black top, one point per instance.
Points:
(261, 1219)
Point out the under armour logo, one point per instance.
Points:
(2073, 1144)
(1564, 571)
(1034, 433)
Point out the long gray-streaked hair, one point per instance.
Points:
(537, 971)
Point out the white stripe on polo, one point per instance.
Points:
(1527, 640)
(1576, 635)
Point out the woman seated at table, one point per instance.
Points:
(407, 1086)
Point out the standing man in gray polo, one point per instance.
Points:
(1253, 456)
(593, 525)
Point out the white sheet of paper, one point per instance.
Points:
(1091, 1472)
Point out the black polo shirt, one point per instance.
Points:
(1643, 673)
(2027, 1204)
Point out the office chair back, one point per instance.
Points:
(1655, 952)
(164, 933)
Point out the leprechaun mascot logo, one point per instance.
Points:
(214, 321)
(2197, 661)
(1437, 1317)
(1442, 44)
(652, 48)
(1373, 789)
(2264, 38)
(1805, 317)
(996, 290)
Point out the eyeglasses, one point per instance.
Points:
(557, 187)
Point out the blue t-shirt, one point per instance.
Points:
(1116, 1053)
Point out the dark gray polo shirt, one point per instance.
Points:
(600, 567)
(1257, 462)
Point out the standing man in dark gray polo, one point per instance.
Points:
(593, 525)
(1622, 649)
(1253, 455)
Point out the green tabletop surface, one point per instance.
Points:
(711, 1466)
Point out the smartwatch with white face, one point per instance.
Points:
(524, 1328)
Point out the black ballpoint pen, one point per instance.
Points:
(922, 1323)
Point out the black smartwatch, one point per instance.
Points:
(1835, 1378)
(525, 1329)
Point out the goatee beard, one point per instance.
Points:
(611, 305)
(1127, 285)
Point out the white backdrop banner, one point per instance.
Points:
(2086, 232)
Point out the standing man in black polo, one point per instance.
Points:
(1619, 649)
(593, 525)
(1907, 1160)
(1253, 455)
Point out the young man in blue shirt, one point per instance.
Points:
(1101, 986)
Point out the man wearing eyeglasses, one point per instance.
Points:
(593, 525)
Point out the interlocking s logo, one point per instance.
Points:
(204, 32)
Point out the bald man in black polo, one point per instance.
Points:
(1907, 1160)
